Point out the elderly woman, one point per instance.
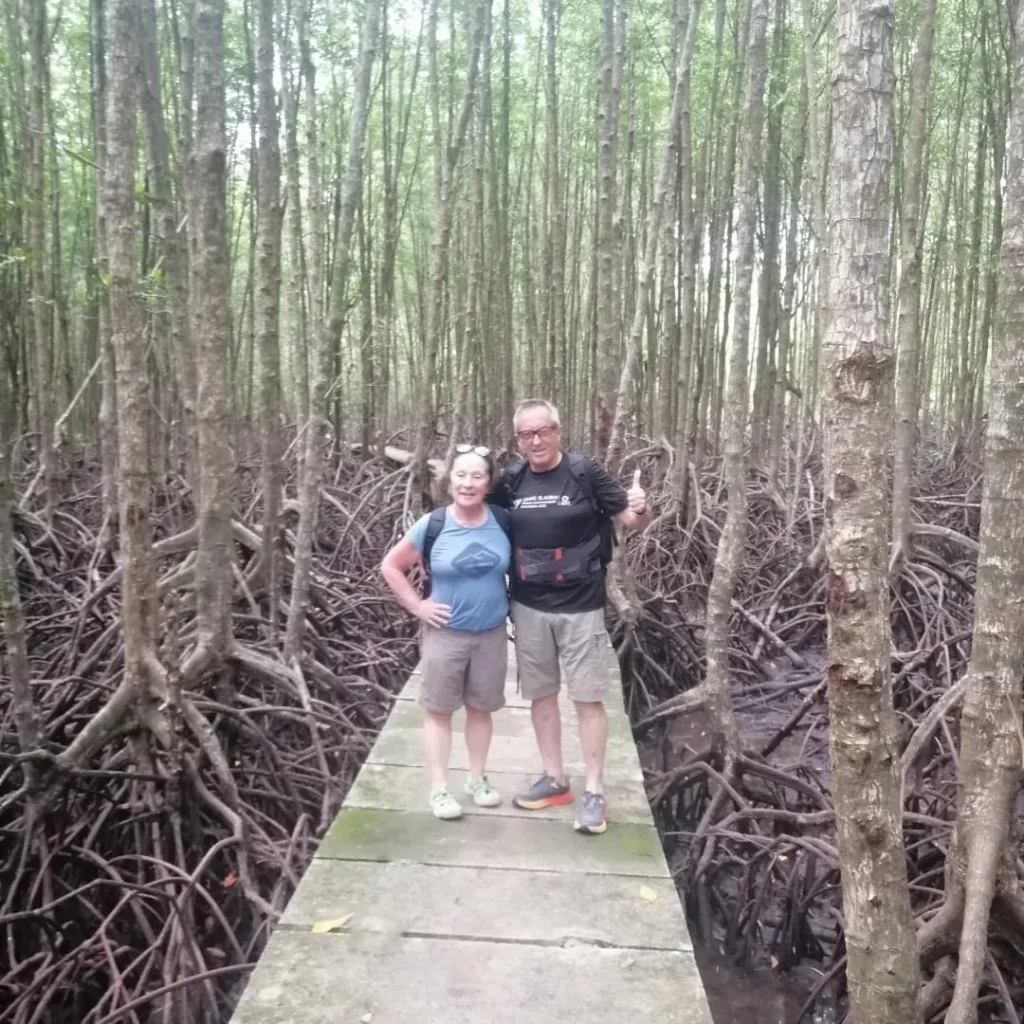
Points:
(463, 644)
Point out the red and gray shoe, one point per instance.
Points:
(545, 792)
(592, 819)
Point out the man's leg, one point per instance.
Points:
(547, 726)
(583, 649)
(593, 723)
(539, 682)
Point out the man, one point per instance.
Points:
(561, 511)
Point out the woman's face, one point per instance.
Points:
(470, 480)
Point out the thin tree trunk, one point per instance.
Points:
(990, 750)
(663, 194)
(443, 219)
(40, 305)
(882, 963)
(909, 323)
(329, 336)
(108, 399)
(731, 545)
(608, 249)
(18, 669)
(268, 304)
(211, 331)
(138, 606)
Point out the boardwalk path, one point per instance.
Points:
(503, 917)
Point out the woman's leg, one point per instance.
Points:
(437, 746)
(479, 729)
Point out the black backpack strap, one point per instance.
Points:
(579, 466)
(503, 519)
(580, 469)
(514, 474)
(435, 524)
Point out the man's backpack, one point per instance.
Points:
(579, 467)
(435, 524)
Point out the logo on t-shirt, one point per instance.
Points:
(475, 561)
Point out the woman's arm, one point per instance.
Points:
(395, 569)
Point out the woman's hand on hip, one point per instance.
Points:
(432, 613)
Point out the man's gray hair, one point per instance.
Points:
(537, 403)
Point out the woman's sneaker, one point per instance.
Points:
(545, 792)
(483, 793)
(444, 805)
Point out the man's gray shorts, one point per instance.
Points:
(463, 668)
(553, 648)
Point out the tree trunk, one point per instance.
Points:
(857, 378)
(268, 304)
(108, 399)
(211, 331)
(911, 244)
(40, 305)
(138, 609)
(317, 427)
(660, 206)
(731, 545)
(443, 219)
(608, 314)
(990, 751)
(173, 258)
(18, 670)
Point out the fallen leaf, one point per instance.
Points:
(331, 924)
(648, 893)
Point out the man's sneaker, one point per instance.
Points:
(591, 820)
(545, 792)
(444, 805)
(482, 792)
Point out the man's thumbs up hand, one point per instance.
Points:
(636, 496)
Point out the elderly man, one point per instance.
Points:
(562, 506)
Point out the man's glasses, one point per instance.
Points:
(476, 449)
(541, 433)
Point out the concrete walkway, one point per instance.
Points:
(503, 917)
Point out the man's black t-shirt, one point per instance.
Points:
(551, 510)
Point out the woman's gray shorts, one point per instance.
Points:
(460, 668)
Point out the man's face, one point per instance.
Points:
(539, 439)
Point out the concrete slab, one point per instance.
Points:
(479, 841)
(508, 754)
(359, 979)
(404, 788)
(491, 904)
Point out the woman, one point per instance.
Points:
(463, 643)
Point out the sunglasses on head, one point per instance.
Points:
(476, 449)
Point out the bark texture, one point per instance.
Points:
(211, 331)
(130, 349)
(857, 409)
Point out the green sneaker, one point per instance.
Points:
(483, 793)
(444, 805)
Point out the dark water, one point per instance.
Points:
(738, 996)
